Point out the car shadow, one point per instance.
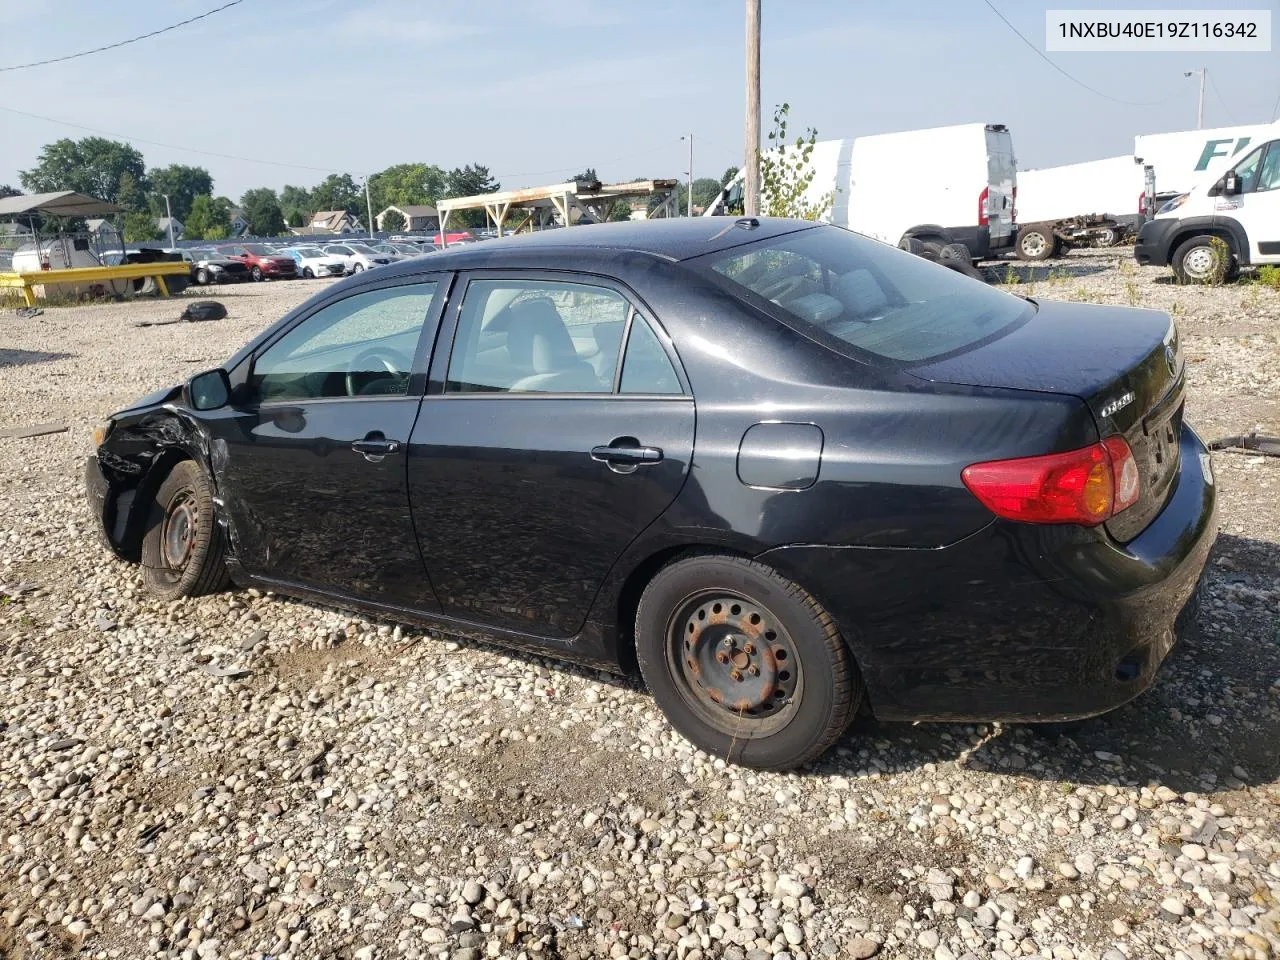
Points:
(1014, 271)
(1212, 713)
(18, 358)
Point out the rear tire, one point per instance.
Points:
(202, 277)
(1035, 242)
(184, 551)
(257, 274)
(745, 664)
(307, 273)
(1203, 259)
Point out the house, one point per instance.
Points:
(162, 224)
(327, 222)
(239, 222)
(416, 217)
(14, 230)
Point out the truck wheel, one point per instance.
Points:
(1035, 242)
(1202, 259)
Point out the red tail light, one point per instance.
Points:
(982, 206)
(1085, 486)
(1142, 203)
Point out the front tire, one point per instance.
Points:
(1035, 242)
(357, 268)
(183, 550)
(1203, 259)
(202, 277)
(745, 664)
(256, 273)
(307, 273)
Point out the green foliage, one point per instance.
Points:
(407, 184)
(262, 209)
(206, 218)
(182, 184)
(140, 228)
(93, 165)
(8, 191)
(621, 211)
(392, 221)
(469, 181)
(295, 204)
(130, 194)
(588, 175)
(1269, 275)
(728, 176)
(337, 192)
(705, 189)
(786, 173)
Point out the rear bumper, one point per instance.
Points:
(1155, 238)
(1016, 622)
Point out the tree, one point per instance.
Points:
(587, 176)
(728, 176)
(8, 191)
(392, 221)
(182, 184)
(295, 204)
(140, 227)
(207, 219)
(786, 174)
(337, 192)
(407, 184)
(470, 181)
(130, 195)
(705, 189)
(262, 210)
(93, 165)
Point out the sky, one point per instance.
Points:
(539, 89)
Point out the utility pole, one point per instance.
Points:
(368, 204)
(168, 214)
(690, 197)
(1200, 107)
(751, 180)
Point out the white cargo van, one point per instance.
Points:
(1096, 202)
(1222, 223)
(1184, 158)
(944, 185)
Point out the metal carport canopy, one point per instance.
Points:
(62, 203)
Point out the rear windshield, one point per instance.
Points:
(850, 291)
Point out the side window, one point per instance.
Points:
(537, 336)
(1247, 170)
(1269, 178)
(646, 368)
(362, 346)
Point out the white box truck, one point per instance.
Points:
(1093, 203)
(941, 185)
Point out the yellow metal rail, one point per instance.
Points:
(76, 275)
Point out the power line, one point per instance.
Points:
(542, 173)
(121, 43)
(1230, 116)
(1080, 83)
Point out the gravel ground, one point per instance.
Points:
(357, 789)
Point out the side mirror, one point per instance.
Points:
(1231, 184)
(208, 391)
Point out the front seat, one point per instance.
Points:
(538, 341)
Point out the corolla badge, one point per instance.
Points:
(1118, 404)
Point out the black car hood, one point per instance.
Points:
(154, 399)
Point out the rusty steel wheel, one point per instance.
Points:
(745, 663)
(736, 663)
(183, 550)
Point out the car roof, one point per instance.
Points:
(673, 239)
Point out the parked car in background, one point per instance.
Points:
(358, 256)
(262, 261)
(452, 239)
(210, 266)
(399, 250)
(911, 490)
(314, 262)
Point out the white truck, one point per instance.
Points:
(1222, 222)
(943, 185)
(1093, 203)
(1184, 158)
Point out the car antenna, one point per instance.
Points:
(746, 223)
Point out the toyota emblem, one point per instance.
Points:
(1171, 359)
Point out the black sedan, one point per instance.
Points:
(781, 469)
(209, 266)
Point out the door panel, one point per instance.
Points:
(1257, 208)
(308, 509)
(518, 524)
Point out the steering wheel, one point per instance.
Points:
(781, 288)
(393, 362)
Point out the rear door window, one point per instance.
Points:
(863, 297)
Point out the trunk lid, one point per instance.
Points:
(1125, 364)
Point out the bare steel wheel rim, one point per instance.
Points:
(178, 536)
(1199, 262)
(1033, 244)
(734, 664)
